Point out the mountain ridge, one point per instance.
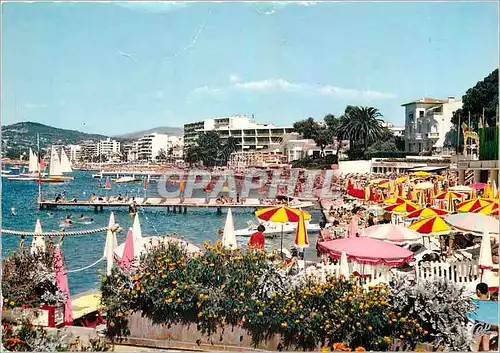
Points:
(169, 130)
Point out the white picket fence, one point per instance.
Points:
(463, 272)
(368, 274)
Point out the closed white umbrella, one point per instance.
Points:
(37, 243)
(344, 265)
(228, 237)
(485, 262)
(136, 228)
(111, 244)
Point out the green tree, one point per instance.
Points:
(162, 155)
(231, 145)
(320, 133)
(209, 147)
(484, 95)
(363, 125)
(192, 155)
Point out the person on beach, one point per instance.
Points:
(257, 239)
(324, 235)
(371, 220)
(483, 335)
(353, 229)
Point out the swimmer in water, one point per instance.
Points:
(13, 211)
(50, 214)
(68, 220)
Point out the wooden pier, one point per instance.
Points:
(176, 204)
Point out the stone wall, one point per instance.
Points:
(144, 332)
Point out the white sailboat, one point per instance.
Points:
(65, 163)
(32, 169)
(55, 170)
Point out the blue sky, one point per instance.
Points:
(118, 68)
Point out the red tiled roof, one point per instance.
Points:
(427, 101)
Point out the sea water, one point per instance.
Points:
(196, 226)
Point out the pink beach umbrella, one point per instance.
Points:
(367, 251)
(478, 186)
(128, 251)
(392, 233)
(62, 283)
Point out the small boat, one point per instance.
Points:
(275, 229)
(97, 176)
(126, 180)
(58, 167)
(49, 180)
(22, 178)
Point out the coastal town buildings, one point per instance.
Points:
(108, 147)
(250, 134)
(428, 123)
(159, 146)
(74, 152)
(88, 150)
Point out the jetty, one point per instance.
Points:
(176, 204)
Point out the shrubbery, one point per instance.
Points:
(27, 338)
(222, 288)
(29, 280)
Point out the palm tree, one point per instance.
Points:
(231, 145)
(363, 124)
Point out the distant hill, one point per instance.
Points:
(18, 137)
(176, 131)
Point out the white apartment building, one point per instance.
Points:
(398, 131)
(294, 147)
(149, 146)
(131, 151)
(251, 135)
(74, 152)
(427, 121)
(108, 147)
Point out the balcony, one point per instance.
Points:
(418, 136)
(433, 135)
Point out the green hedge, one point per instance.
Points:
(220, 289)
(488, 143)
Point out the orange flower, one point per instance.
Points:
(338, 346)
(324, 349)
(360, 349)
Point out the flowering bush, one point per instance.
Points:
(440, 306)
(27, 338)
(225, 288)
(29, 280)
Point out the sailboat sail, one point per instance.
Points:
(33, 162)
(55, 164)
(65, 163)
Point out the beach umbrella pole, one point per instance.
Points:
(281, 250)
